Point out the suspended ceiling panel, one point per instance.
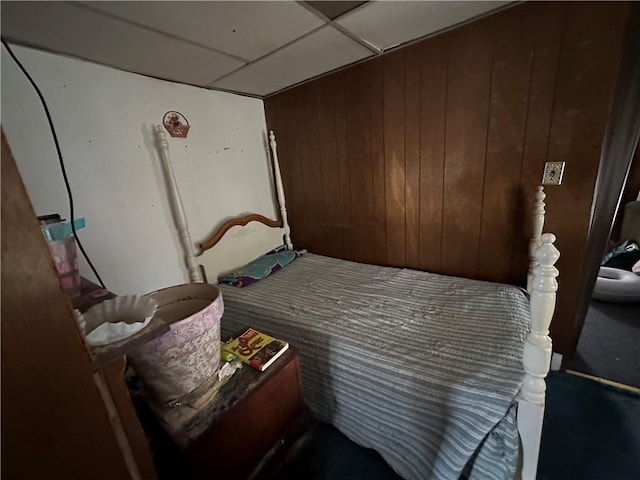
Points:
(392, 23)
(238, 28)
(65, 28)
(322, 51)
(250, 47)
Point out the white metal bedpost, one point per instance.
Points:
(536, 357)
(280, 191)
(177, 209)
(538, 224)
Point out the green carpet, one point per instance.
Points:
(591, 432)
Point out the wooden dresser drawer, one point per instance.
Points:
(260, 415)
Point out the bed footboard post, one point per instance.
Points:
(177, 209)
(280, 191)
(538, 224)
(536, 357)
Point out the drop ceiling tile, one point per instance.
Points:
(76, 31)
(319, 52)
(247, 29)
(387, 24)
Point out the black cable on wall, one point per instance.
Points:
(60, 159)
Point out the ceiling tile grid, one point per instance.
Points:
(250, 47)
(245, 29)
(392, 23)
(66, 28)
(317, 53)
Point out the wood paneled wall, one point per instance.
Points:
(428, 157)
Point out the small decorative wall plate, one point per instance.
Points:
(176, 124)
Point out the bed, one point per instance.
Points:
(443, 376)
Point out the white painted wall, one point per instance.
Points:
(103, 118)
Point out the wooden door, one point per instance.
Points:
(54, 421)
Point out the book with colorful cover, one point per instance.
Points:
(256, 349)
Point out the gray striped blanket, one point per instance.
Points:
(423, 368)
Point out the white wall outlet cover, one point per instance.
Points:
(556, 362)
(553, 172)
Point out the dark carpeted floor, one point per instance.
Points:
(332, 456)
(591, 432)
(609, 345)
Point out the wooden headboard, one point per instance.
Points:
(241, 239)
(238, 241)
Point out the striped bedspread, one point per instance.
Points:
(423, 368)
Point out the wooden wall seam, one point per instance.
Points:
(486, 152)
(444, 155)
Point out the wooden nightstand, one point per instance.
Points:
(247, 429)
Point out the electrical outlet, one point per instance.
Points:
(553, 172)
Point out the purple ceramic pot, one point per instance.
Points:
(188, 355)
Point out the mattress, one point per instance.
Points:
(423, 368)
